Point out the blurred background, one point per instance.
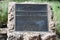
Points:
(54, 3)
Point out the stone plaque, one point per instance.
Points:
(31, 17)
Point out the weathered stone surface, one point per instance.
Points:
(13, 35)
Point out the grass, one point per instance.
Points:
(3, 12)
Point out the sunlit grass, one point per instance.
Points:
(3, 12)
